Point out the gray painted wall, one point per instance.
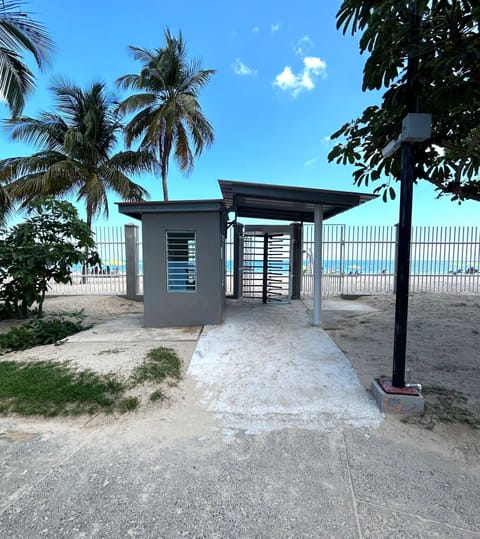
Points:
(203, 306)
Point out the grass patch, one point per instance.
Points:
(51, 389)
(158, 395)
(129, 404)
(160, 363)
(444, 405)
(48, 388)
(39, 332)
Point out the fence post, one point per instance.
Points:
(297, 265)
(131, 259)
(342, 260)
(237, 260)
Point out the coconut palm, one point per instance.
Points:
(18, 32)
(168, 114)
(76, 152)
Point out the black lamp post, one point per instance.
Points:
(407, 179)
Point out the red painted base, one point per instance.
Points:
(387, 386)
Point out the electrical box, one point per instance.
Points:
(416, 127)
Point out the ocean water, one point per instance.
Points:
(352, 267)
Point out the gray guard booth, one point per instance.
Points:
(184, 247)
(183, 261)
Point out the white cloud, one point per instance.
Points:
(303, 43)
(288, 81)
(255, 30)
(242, 69)
(275, 27)
(310, 162)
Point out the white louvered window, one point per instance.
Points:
(181, 261)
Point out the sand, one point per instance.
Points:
(443, 352)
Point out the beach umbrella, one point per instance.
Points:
(114, 262)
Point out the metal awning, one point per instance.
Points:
(285, 203)
(137, 209)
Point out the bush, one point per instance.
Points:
(39, 332)
(41, 249)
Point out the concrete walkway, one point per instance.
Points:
(296, 463)
(266, 367)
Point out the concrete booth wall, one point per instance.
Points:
(191, 291)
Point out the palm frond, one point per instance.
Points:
(18, 33)
(132, 162)
(16, 80)
(46, 132)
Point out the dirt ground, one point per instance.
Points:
(443, 354)
(443, 342)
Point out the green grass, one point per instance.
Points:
(50, 389)
(444, 405)
(161, 363)
(157, 395)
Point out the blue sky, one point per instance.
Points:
(286, 79)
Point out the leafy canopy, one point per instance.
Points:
(448, 82)
(41, 249)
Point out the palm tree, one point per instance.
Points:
(19, 32)
(168, 115)
(75, 157)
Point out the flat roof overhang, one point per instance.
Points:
(278, 202)
(137, 209)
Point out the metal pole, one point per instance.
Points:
(317, 266)
(265, 269)
(237, 259)
(407, 178)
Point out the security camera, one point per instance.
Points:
(392, 147)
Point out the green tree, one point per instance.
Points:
(18, 32)
(42, 249)
(447, 46)
(77, 144)
(168, 114)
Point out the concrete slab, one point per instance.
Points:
(390, 403)
(414, 490)
(267, 367)
(384, 524)
(286, 484)
(338, 304)
(129, 328)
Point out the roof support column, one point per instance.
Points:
(317, 266)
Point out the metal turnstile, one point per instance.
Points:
(266, 264)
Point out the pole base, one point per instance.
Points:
(396, 400)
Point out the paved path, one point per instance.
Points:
(201, 469)
(267, 367)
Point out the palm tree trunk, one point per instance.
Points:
(164, 187)
(164, 157)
